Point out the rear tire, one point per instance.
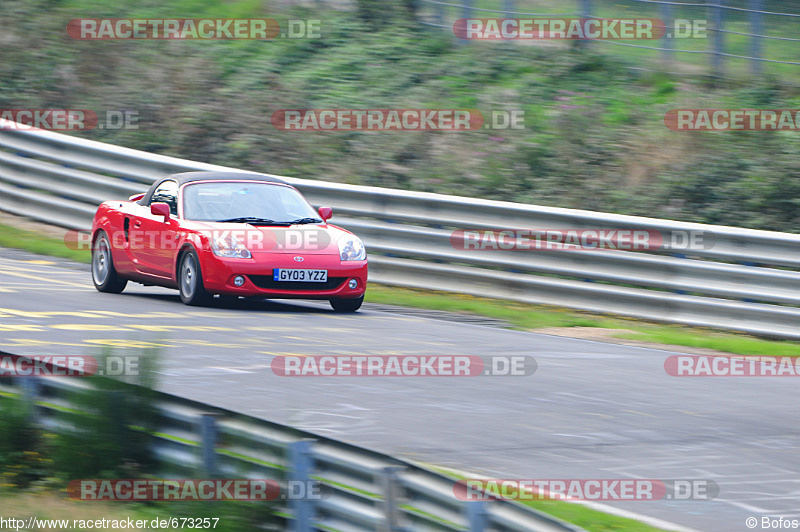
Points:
(190, 281)
(347, 305)
(104, 275)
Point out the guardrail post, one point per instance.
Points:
(391, 495)
(30, 391)
(119, 414)
(301, 462)
(208, 432)
(478, 515)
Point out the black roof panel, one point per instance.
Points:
(187, 177)
(191, 177)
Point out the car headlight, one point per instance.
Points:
(228, 246)
(352, 248)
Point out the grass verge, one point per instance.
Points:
(521, 316)
(524, 316)
(53, 505)
(14, 237)
(49, 505)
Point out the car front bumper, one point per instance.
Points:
(219, 273)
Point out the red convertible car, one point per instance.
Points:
(227, 233)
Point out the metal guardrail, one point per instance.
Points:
(365, 490)
(748, 280)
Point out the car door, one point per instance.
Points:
(152, 239)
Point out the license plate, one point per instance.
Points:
(308, 276)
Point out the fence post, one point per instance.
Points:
(438, 14)
(208, 431)
(477, 513)
(301, 462)
(586, 12)
(718, 42)
(669, 27)
(508, 7)
(756, 28)
(466, 13)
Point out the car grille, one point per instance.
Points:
(267, 282)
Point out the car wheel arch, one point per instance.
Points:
(185, 248)
(99, 229)
(96, 234)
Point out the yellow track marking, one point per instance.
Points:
(44, 314)
(20, 327)
(639, 413)
(204, 343)
(153, 315)
(94, 314)
(167, 328)
(20, 342)
(43, 279)
(87, 327)
(134, 344)
(267, 328)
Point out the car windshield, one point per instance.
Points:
(249, 202)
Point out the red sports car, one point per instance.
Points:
(227, 233)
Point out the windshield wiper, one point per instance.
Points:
(304, 221)
(253, 220)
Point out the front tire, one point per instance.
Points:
(190, 281)
(104, 275)
(347, 305)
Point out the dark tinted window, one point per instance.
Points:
(167, 192)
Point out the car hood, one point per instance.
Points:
(307, 239)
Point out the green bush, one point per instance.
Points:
(23, 447)
(111, 432)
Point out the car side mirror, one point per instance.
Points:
(160, 209)
(325, 213)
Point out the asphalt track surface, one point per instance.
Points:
(591, 411)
